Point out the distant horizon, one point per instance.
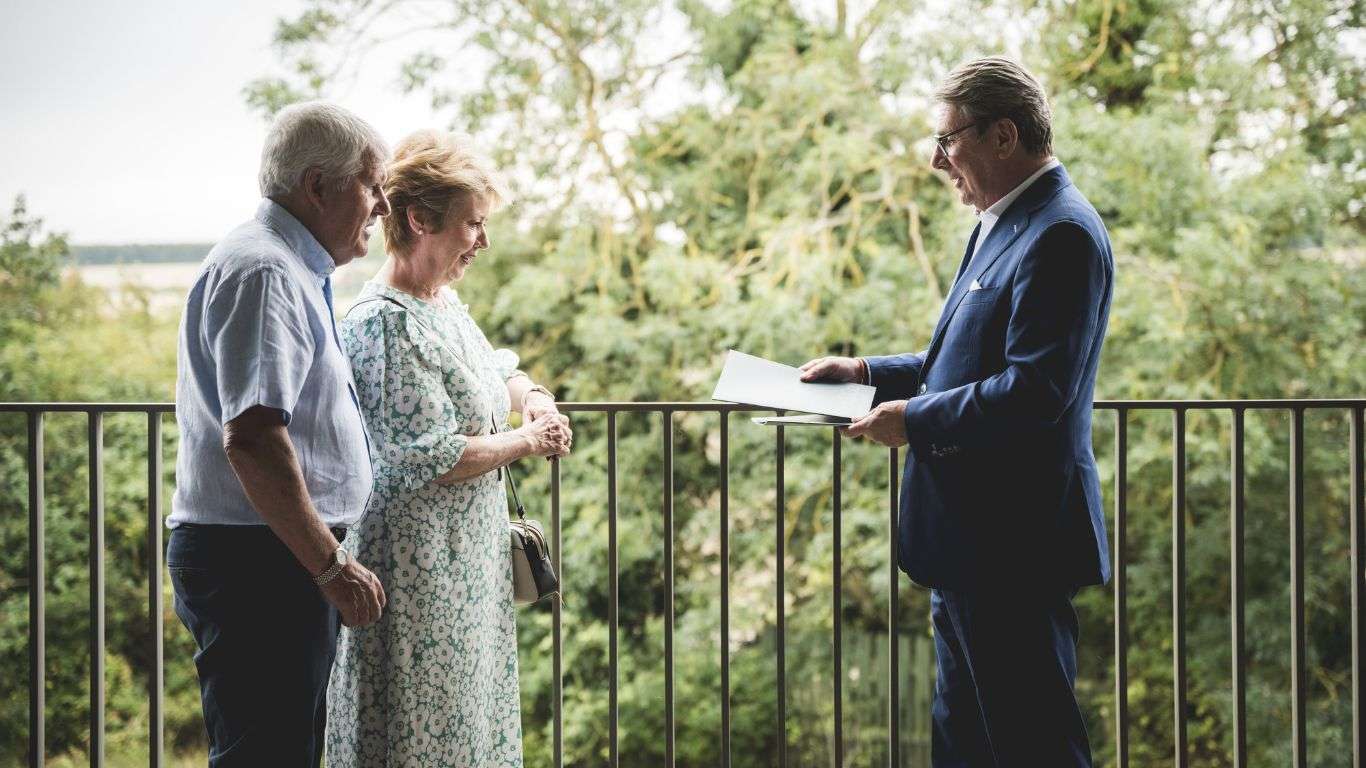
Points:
(127, 125)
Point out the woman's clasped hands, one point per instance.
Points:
(547, 432)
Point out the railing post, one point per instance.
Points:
(893, 615)
(556, 619)
(613, 568)
(1358, 528)
(836, 600)
(155, 676)
(37, 585)
(1120, 576)
(1179, 582)
(725, 589)
(95, 447)
(1297, 634)
(780, 526)
(669, 587)
(1237, 597)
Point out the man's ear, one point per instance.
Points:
(312, 188)
(1005, 137)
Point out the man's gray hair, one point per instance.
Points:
(317, 134)
(996, 87)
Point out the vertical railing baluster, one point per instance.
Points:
(1237, 597)
(37, 586)
(725, 589)
(556, 622)
(95, 472)
(1120, 576)
(613, 569)
(669, 587)
(1297, 633)
(156, 683)
(781, 608)
(836, 601)
(893, 616)
(1358, 529)
(1179, 582)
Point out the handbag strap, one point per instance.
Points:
(493, 422)
(506, 470)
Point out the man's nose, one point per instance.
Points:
(938, 159)
(382, 206)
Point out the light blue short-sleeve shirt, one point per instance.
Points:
(258, 330)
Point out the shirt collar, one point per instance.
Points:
(990, 215)
(297, 237)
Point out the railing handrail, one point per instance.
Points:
(658, 406)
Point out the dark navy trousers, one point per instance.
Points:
(1007, 664)
(266, 640)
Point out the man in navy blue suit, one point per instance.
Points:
(1000, 507)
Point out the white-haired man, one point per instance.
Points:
(274, 463)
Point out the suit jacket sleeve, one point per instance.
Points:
(895, 376)
(1056, 297)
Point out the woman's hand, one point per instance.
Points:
(538, 405)
(548, 435)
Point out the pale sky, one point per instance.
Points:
(125, 123)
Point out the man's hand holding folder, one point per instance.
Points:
(885, 424)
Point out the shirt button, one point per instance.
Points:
(923, 389)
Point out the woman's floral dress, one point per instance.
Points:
(434, 682)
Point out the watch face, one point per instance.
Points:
(342, 557)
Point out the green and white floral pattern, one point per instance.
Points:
(434, 682)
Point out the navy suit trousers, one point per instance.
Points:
(1007, 666)
(266, 640)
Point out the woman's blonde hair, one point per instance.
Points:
(429, 171)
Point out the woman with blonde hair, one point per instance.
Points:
(434, 682)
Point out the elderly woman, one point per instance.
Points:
(434, 682)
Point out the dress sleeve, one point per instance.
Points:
(506, 361)
(412, 406)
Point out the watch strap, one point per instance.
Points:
(331, 573)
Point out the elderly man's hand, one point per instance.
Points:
(357, 594)
(885, 424)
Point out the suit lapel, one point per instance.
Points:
(1007, 230)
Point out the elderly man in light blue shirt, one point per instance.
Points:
(274, 463)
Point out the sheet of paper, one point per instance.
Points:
(755, 381)
(809, 420)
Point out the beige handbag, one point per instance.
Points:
(533, 575)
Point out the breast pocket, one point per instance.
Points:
(975, 335)
(980, 296)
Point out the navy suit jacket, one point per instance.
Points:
(1000, 482)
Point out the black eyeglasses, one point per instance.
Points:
(942, 140)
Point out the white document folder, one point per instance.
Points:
(751, 380)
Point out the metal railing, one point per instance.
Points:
(1236, 408)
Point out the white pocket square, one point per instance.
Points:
(974, 285)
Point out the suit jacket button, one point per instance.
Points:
(923, 388)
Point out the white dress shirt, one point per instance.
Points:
(991, 215)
